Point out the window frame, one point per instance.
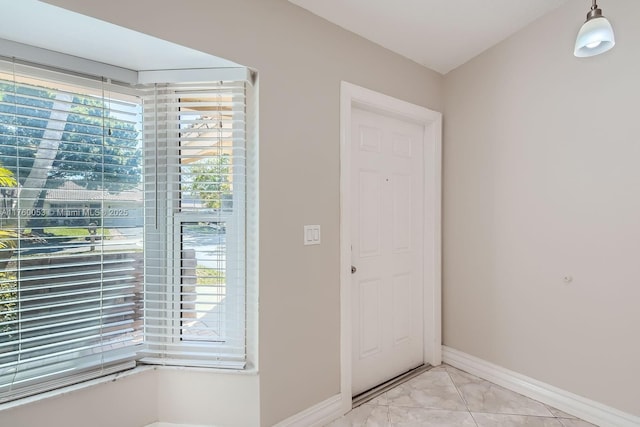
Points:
(84, 365)
(170, 184)
(250, 186)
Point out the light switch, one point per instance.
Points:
(311, 234)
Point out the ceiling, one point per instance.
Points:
(439, 34)
(96, 40)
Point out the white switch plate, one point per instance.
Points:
(311, 234)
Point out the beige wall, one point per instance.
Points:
(199, 397)
(180, 396)
(542, 181)
(131, 401)
(301, 60)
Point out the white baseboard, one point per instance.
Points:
(583, 408)
(174, 425)
(317, 415)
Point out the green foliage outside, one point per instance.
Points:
(209, 179)
(8, 233)
(96, 150)
(8, 242)
(7, 185)
(7, 180)
(74, 232)
(209, 276)
(8, 239)
(8, 297)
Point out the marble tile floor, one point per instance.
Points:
(447, 397)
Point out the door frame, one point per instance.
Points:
(352, 96)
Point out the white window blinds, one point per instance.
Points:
(71, 218)
(122, 224)
(195, 289)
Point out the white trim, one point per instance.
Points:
(356, 96)
(73, 388)
(317, 415)
(63, 61)
(73, 64)
(581, 407)
(158, 424)
(195, 75)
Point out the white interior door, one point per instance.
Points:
(387, 214)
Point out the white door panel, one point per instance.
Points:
(387, 247)
(370, 200)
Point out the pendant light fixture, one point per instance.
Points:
(595, 36)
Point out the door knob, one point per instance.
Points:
(353, 269)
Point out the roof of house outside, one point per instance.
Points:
(72, 192)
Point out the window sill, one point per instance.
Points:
(115, 377)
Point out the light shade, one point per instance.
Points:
(595, 37)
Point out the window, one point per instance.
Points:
(122, 226)
(198, 161)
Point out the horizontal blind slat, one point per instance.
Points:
(70, 286)
(195, 295)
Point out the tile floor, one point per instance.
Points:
(445, 396)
